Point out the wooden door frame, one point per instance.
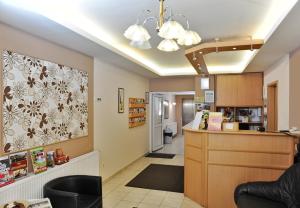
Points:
(274, 87)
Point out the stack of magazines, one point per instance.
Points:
(39, 203)
(33, 203)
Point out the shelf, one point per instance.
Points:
(235, 113)
(138, 105)
(132, 125)
(253, 123)
(135, 115)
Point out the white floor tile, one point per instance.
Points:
(176, 147)
(126, 204)
(144, 205)
(187, 203)
(117, 195)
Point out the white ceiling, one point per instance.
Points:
(102, 23)
(43, 27)
(283, 41)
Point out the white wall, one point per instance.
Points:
(118, 145)
(279, 71)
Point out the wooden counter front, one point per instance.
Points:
(216, 162)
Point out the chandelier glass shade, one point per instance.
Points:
(170, 30)
(137, 33)
(168, 45)
(189, 38)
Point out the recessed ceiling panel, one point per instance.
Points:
(226, 62)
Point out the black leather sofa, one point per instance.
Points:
(283, 193)
(78, 191)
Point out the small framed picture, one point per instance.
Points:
(146, 97)
(121, 100)
(209, 96)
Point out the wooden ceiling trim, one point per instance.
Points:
(195, 54)
(198, 63)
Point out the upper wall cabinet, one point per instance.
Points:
(239, 90)
(226, 90)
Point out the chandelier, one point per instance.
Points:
(172, 32)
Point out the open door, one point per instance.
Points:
(272, 107)
(157, 122)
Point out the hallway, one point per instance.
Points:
(177, 146)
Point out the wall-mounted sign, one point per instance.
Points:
(209, 96)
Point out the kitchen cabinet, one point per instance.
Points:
(239, 90)
(226, 90)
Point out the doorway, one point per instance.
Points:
(157, 122)
(166, 114)
(272, 107)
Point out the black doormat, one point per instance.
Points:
(160, 177)
(160, 155)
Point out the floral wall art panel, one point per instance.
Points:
(43, 102)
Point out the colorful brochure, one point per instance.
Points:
(38, 159)
(6, 175)
(215, 121)
(19, 164)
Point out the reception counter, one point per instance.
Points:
(216, 162)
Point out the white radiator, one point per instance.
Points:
(173, 126)
(31, 187)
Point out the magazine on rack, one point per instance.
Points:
(19, 164)
(6, 175)
(38, 159)
(39, 203)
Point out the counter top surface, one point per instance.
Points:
(241, 132)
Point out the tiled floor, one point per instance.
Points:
(117, 195)
(177, 146)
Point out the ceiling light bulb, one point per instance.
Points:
(194, 56)
(171, 30)
(168, 45)
(144, 45)
(190, 38)
(137, 33)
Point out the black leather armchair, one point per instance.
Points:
(283, 193)
(78, 191)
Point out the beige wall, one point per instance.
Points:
(119, 146)
(279, 72)
(295, 89)
(15, 40)
(172, 84)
